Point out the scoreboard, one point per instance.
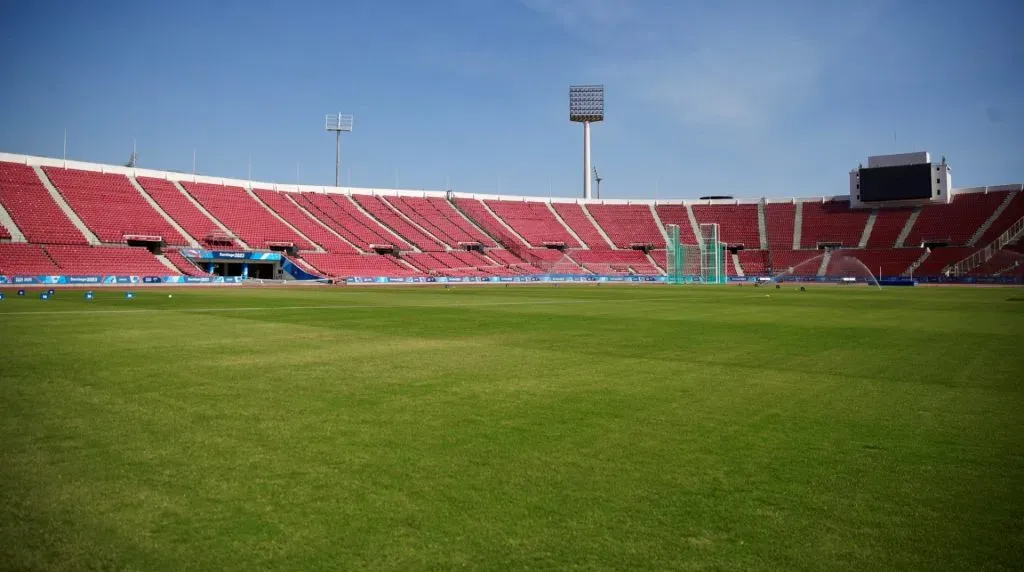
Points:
(903, 179)
(896, 183)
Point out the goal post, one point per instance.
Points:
(694, 263)
(712, 254)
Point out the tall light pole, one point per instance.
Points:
(586, 105)
(598, 179)
(338, 123)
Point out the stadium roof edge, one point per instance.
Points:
(189, 177)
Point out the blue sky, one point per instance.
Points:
(748, 98)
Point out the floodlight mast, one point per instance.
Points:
(586, 105)
(338, 123)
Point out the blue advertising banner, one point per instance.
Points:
(84, 279)
(544, 278)
(112, 280)
(296, 272)
(230, 255)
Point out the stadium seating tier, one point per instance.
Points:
(832, 222)
(308, 225)
(676, 214)
(166, 194)
(350, 228)
(534, 221)
(1011, 214)
(889, 224)
(780, 220)
(627, 225)
(956, 222)
(32, 208)
(737, 224)
(576, 218)
(342, 216)
(111, 206)
(243, 215)
(27, 260)
(93, 260)
(388, 216)
(478, 212)
(438, 217)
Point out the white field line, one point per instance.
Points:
(455, 305)
(273, 308)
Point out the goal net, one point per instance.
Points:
(694, 263)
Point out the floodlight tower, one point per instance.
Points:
(586, 105)
(597, 179)
(338, 123)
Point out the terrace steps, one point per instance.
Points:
(316, 247)
(762, 224)
(568, 228)
(798, 225)
(380, 224)
(306, 212)
(604, 235)
(91, 238)
(415, 224)
(209, 215)
(866, 236)
(174, 224)
(736, 264)
(973, 241)
(907, 228)
(7, 222)
(693, 222)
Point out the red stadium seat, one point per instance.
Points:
(243, 215)
(955, 222)
(184, 212)
(628, 225)
(438, 217)
(341, 215)
(832, 222)
(33, 209)
(577, 220)
(737, 224)
(282, 204)
(389, 217)
(103, 260)
(111, 206)
(26, 260)
(534, 221)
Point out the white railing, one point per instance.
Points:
(1014, 233)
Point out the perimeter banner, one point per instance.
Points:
(114, 280)
(229, 255)
(546, 278)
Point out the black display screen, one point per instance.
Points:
(896, 183)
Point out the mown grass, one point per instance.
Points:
(522, 428)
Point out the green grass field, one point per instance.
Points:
(615, 428)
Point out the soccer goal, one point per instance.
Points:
(695, 263)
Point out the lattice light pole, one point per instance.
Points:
(586, 105)
(338, 123)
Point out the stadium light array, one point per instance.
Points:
(586, 105)
(338, 123)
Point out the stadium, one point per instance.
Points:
(219, 373)
(73, 223)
